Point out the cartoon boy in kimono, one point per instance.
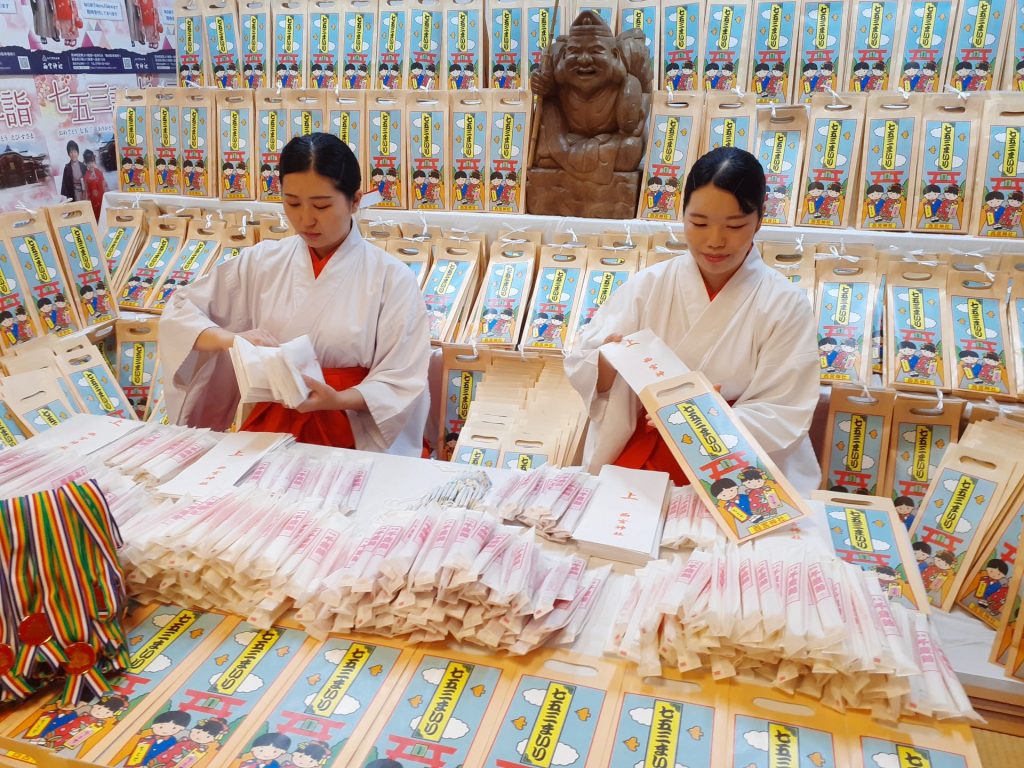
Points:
(150, 743)
(970, 366)
(993, 586)
(201, 742)
(730, 500)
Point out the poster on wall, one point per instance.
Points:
(86, 36)
(57, 137)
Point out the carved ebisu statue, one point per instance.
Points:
(596, 90)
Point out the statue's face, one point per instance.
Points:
(589, 63)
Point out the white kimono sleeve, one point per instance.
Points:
(778, 405)
(395, 388)
(200, 387)
(613, 413)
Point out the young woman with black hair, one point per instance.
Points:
(361, 308)
(726, 314)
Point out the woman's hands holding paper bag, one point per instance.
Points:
(323, 397)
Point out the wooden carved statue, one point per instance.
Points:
(596, 90)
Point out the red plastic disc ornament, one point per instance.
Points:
(6, 658)
(35, 629)
(81, 658)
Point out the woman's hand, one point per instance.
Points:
(321, 397)
(650, 421)
(259, 338)
(605, 373)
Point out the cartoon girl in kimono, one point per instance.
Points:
(761, 492)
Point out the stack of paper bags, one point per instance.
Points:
(275, 374)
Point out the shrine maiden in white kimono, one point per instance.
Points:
(757, 340)
(364, 310)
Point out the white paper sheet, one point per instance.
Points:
(643, 359)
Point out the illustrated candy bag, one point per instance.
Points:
(506, 157)
(11, 432)
(196, 253)
(51, 294)
(867, 533)
(775, 30)
(452, 277)
(1016, 318)
(442, 711)
(428, 149)
(556, 297)
(846, 299)
(795, 265)
(726, 32)
(781, 133)
(857, 440)
(548, 697)
(254, 25)
(608, 269)
(927, 37)
(165, 136)
(943, 198)
(671, 150)
(324, 44)
(999, 190)
(305, 112)
(290, 44)
(345, 120)
(392, 44)
(922, 432)
(1013, 80)
(271, 135)
(385, 148)
(833, 151)
(221, 22)
(961, 503)
(889, 161)
(681, 35)
(464, 45)
(919, 333)
(426, 22)
(78, 244)
(166, 235)
(94, 383)
(982, 32)
(197, 118)
(933, 743)
(606, 9)
(18, 320)
(507, 30)
(191, 44)
(468, 152)
(822, 50)
(414, 254)
(358, 43)
(44, 408)
(730, 120)
(681, 720)
(874, 25)
(729, 471)
(985, 592)
(235, 145)
(463, 371)
(125, 227)
(233, 240)
(504, 295)
(330, 705)
(136, 360)
(132, 126)
(543, 25)
(642, 15)
(977, 307)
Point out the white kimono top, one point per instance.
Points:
(757, 340)
(364, 310)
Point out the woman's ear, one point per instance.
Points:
(356, 199)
